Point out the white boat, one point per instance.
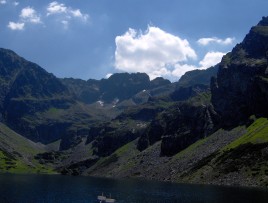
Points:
(101, 198)
(109, 200)
(104, 199)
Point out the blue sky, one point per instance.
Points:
(95, 38)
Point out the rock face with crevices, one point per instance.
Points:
(181, 125)
(240, 89)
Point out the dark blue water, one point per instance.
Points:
(57, 188)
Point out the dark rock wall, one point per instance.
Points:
(240, 87)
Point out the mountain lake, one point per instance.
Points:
(58, 188)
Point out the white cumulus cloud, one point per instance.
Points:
(211, 59)
(63, 13)
(56, 8)
(28, 14)
(208, 40)
(154, 52)
(67, 12)
(181, 69)
(16, 26)
(3, 2)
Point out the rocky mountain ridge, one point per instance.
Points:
(119, 86)
(240, 89)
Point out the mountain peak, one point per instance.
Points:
(2, 50)
(264, 21)
(254, 45)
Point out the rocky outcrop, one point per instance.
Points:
(184, 93)
(78, 168)
(239, 89)
(144, 113)
(154, 133)
(196, 77)
(84, 91)
(109, 139)
(158, 82)
(122, 86)
(191, 124)
(180, 126)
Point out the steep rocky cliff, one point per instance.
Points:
(181, 125)
(240, 89)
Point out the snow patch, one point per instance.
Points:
(101, 103)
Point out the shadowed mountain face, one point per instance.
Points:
(195, 77)
(23, 79)
(118, 87)
(44, 108)
(241, 86)
(27, 89)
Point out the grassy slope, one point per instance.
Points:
(129, 162)
(257, 132)
(242, 162)
(17, 153)
(117, 163)
(225, 157)
(229, 157)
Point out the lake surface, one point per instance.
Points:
(57, 188)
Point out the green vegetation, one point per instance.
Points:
(190, 149)
(264, 79)
(125, 154)
(18, 157)
(119, 161)
(6, 161)
(9, 164)
(257, 132)
(16, 141)
(53, 110)
(121, 151)
(203, 98)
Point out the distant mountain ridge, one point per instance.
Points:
(119, 86)
(33, 102)
(195, 77)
